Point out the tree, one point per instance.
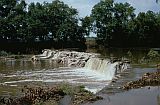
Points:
(37, 27)
(86, 25)
(12, 14)
(6, 6)
(123, 13)
(146, 28)
(18, 20)
(102, 15)
(110, 22)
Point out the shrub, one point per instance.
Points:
(153, 54)
(3, 53)
(66, 88)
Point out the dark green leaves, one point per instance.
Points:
(54, 21)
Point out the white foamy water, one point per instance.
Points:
(103, 68)
(94, 76)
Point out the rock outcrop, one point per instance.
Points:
(148, 79)
(70, 58)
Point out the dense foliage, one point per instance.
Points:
(57, 25)
(54, 22)
(116, 25)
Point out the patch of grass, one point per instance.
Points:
(153, 54)
(66, 88)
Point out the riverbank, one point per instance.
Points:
(148, 79)
(47, 72)
(57, 95)
(141, 96)
(115, 95)
(94, 76)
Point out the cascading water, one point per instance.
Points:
(103, 67)
(95, 75)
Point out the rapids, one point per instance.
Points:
(95, 75)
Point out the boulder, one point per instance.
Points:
(71, 58)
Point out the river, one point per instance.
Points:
(15, 74)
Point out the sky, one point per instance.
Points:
(84, 6)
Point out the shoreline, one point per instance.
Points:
(117, 92)
(115, 95)
(141, 96)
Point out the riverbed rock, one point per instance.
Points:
(62, 94)
(70, 58)
(148, 79)
(34, 58)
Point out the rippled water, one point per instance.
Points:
(14, 74)
(113, 95)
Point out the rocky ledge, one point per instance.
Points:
(57, 95)
(69, 58)
(148, 79)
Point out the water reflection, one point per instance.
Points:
(17, 73)
(11, 68)
(7, 66)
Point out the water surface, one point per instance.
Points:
(15, 74)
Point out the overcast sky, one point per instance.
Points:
(84, 6)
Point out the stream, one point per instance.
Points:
(15, 74)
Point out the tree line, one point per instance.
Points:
(55, 24)
(58, 25)
(117, 25)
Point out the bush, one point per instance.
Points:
(3, 53)
(153, 54)
(66, 88)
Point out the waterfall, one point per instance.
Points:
(102, 66)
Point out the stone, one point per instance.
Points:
(71, 58)
(148, 79)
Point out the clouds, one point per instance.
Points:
(84, 6)
(143, 5)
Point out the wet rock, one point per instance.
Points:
(148, 79)
(114, 59)
(64, 95)
(34, 58)
(71, 58)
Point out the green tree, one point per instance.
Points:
(102, 15)
(146, 28)
(58, 14)
(6, 6)
(18, 20)
(37, 27)
(12, 19)
(123, 13)
(110, 22)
